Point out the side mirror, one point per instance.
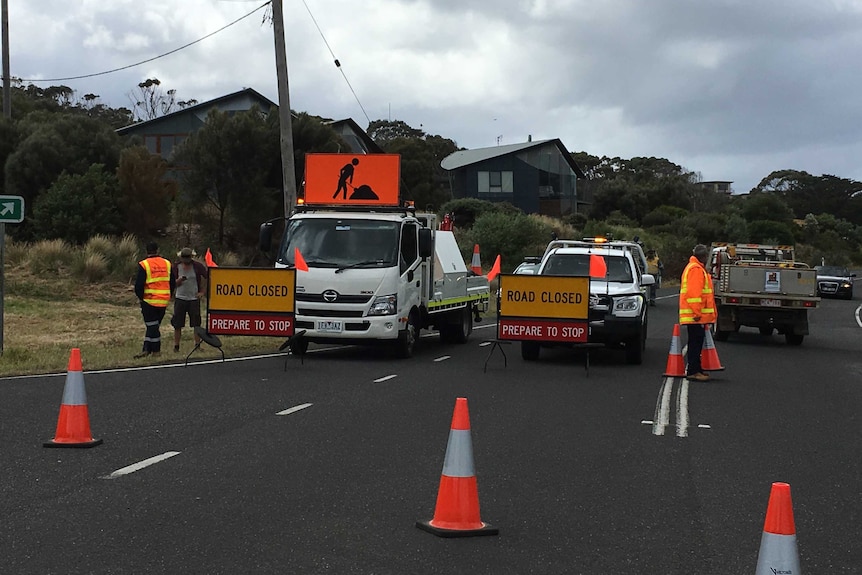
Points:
(264, 242)
(426, 243)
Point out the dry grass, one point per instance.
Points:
(45, 317)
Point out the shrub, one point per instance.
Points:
(16, 253)
(89, 266)
(512, 237)
(48, 257)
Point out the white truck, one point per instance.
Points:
(377, 273)
(762, 286)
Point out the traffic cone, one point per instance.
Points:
(709, 355)
(675, 362)
(73, 425)
(457, 511)
(778, 553)
(476, 264)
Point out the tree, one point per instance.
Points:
(385, 131)
(310, 135)
(145, 195)
(150, 101)
(767, 207)
(230, 159)
(79, 206)
(52, 145)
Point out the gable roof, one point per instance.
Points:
(351, 127)
(214, 103)
(463, 158)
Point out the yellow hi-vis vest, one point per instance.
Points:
(157, 289)
(696, 296)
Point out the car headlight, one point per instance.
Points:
(628, 306)
(845, 285)
(384, 305)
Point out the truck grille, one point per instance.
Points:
(329, 312)
(318, 298)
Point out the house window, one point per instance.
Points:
(496, 183)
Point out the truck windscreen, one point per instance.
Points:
(337, 243)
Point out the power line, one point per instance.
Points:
(149, 59)
(337, 63)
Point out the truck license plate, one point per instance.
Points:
(330, 326)
(770, 302)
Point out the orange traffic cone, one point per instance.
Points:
(457, 511)
(476, 264)
(709, 355)
(675, 362)
(73, 425)
(778, 553)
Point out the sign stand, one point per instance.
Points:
(295, 337)
(498, 343)
(205, 337)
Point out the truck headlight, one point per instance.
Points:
(629, 306)
(384, 305)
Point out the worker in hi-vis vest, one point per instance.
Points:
(153, 286)
(696, 309)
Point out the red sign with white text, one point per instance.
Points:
(245, 323)
(522, 329)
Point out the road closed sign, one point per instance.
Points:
(251, 301)
(544, 308)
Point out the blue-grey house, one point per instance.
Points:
(538, 177)
(161, 135)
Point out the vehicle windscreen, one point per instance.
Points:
(618, 268)
(832, 271)
(337, 243)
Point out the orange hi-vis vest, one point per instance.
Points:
(696, 296)
(157, 289)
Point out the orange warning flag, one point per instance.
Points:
(209, 259)
(495, 269)
(299, 261)
(598, 267)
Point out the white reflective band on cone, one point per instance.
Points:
(778, 555)
(74, 392)
(459, 455)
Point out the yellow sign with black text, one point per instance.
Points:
(563, 297)
(251, 289)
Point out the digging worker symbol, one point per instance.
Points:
(345, 179)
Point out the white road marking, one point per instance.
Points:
(384, 378)
(662, 407)
(141, 464)
(682, 410)
(294, 409)
(859, 315)
(443, 358)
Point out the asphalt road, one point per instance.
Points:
(272, 465)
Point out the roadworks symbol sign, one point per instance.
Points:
(352, 179)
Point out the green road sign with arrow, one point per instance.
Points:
(11, 209)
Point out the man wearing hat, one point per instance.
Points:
(190, 277)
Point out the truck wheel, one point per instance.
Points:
(530, 350)
(458, 332)
(635, 349)
(766, 331)
(406, 342)
(793, 338)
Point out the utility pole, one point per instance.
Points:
(288, 170)
(7, 114)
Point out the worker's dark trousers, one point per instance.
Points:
(696, 335)
(153, 320)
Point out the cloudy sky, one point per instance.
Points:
(732, 89)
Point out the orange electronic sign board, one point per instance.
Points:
(352, 179)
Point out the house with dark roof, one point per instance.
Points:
(161, 135)
(538, 177)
